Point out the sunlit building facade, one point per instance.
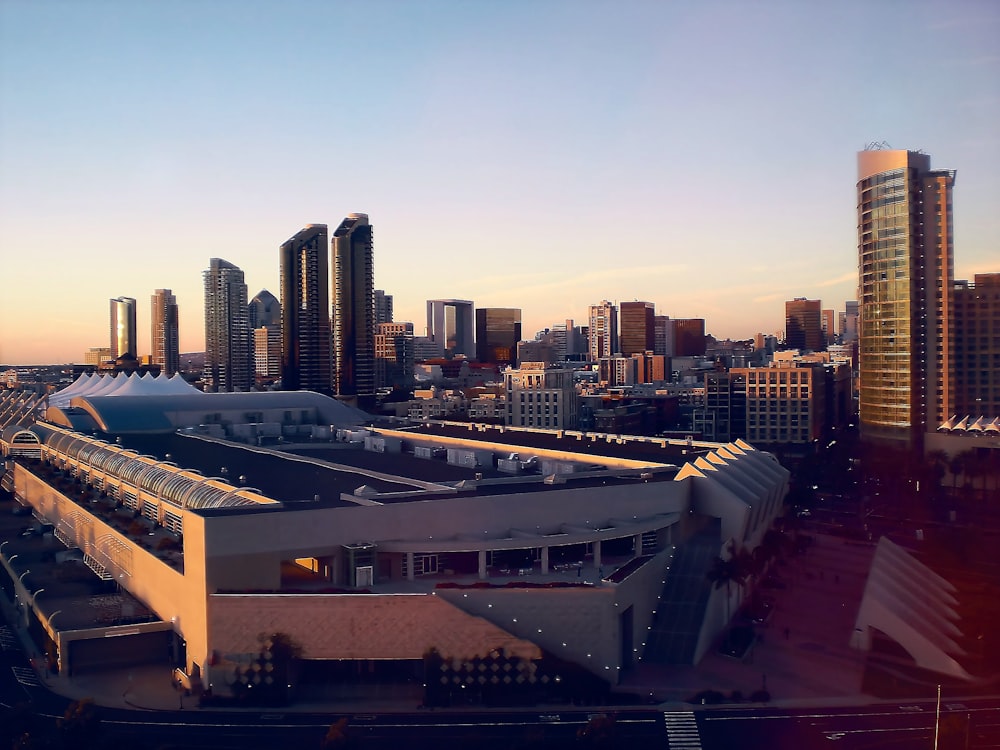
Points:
(123, 329)
(227, 335)
(498, 330)
(905, 265)
(451, 326)
(165, 332)
(603, 330)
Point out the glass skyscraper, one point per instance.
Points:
(227, 334)
(905, 266)
(123, 330)
(164, 332)
(305, 311)
(353, 251)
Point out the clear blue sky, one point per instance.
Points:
(542, 155)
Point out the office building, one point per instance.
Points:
(394, 355)
(663, 336)
(96, 356)
(306, 362)
(451, 326)
(603, 331)
(804, 325)
(905, 263)
(165, 332)
(383, 307)
(498, 330)
(829, 327)
(264, 310)
(849, 329)
(636, 328)
(975, 383)
(227, 335)
(267, 353)
(689, 337)
(541, 397)
(123, 329)
(353, 251)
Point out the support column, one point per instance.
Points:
(637, 545)
(545, 560)
(482, 565)
(597, 556)
(409, 566)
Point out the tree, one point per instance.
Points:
(725, 572)
(80, 725)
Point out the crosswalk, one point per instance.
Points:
(682, 730)
(26, 676)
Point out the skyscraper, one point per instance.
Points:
(306, 362)
(804, 325)
(354, 310)
(976, 348)
(164, 332)
(227, 335)
(383, 307)
(905, 265)
(636, 328)
(498, 329)
(450, 324)
(264, 310)
(603, 330)
(123, 330)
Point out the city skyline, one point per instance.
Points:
(701, 161)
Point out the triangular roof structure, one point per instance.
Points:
(913, 606)
(61, 398)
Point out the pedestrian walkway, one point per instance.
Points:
(802, 654)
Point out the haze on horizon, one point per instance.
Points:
(544, 156)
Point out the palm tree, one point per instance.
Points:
(724, 572)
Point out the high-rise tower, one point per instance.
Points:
(603, 330)
(227, 335)
(306, 363)
(905, 266)
(353, 251)
(804, 325)
(123, 330)
(498, 329)
(164, 332)
(451, 326)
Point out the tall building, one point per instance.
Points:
(663, 336)
(450, 324)
(164, 334)
(905, 264)
(849, 331)
(227, 335)
(394, 355)
(264, 310)
(383, 307)
(267, 353)
(829, 327)
(689, 337)
(603, 329)
(976, 348)
(354, 310)
(804, 325)
(498, 329)
(306, 362)
(636, 328)
(123, 330)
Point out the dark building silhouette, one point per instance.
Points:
(498, 329)
(306, 362)
(804, 325)
(689, 337)
(354, 311)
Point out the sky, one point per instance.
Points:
(544, 155)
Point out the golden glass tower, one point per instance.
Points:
(905, 273)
